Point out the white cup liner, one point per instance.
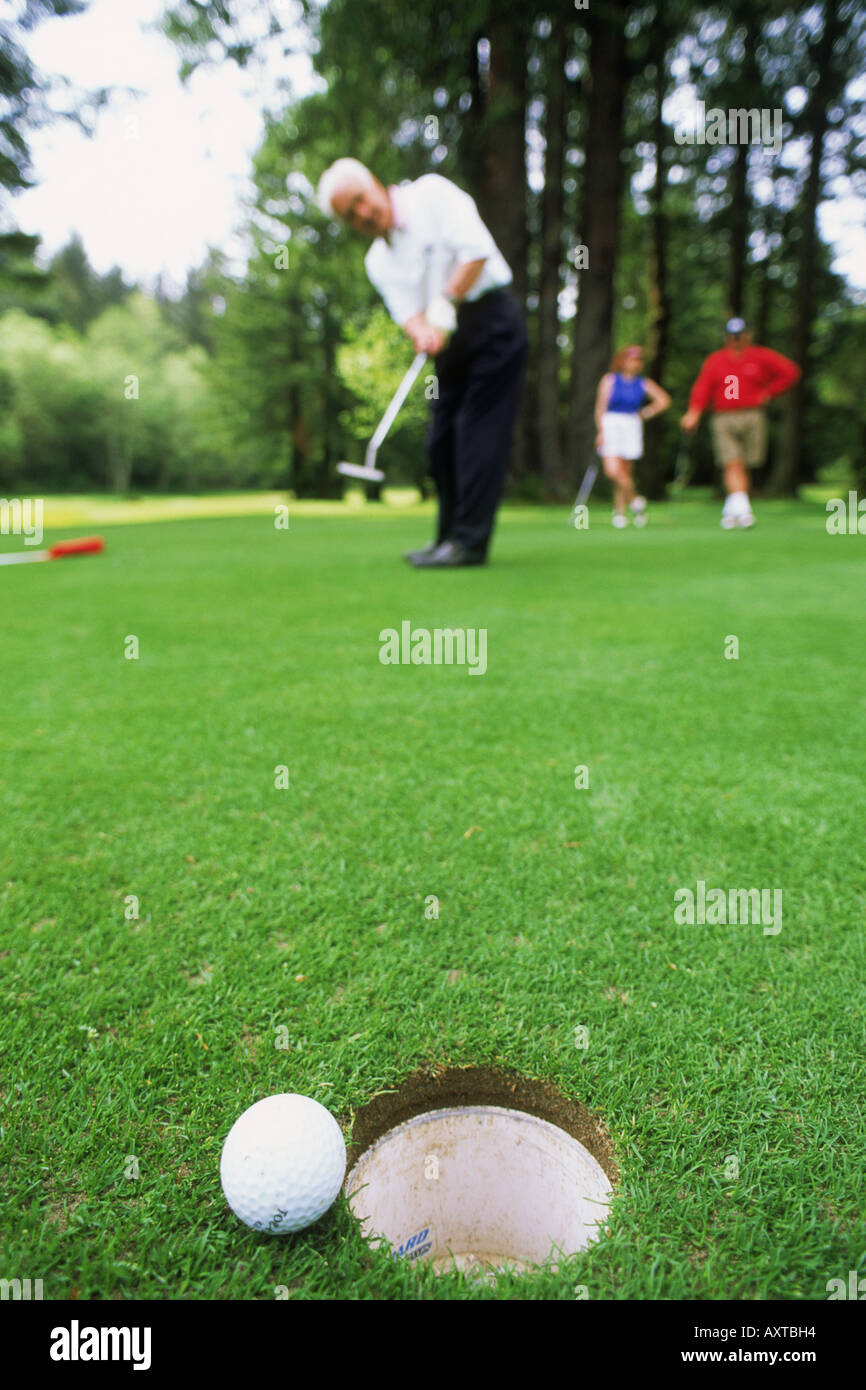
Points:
(479, 1187)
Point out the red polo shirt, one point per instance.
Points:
(740, 381)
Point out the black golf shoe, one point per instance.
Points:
(413, 556)
(448, 555)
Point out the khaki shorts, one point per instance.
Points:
(739, 434)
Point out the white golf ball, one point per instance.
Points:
(283, 1163)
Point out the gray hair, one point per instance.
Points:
(341, 171)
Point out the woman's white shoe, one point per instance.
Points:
(637, 507)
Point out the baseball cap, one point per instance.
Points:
(736, 326)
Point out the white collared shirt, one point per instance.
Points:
(437, 228)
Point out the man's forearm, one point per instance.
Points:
(429, 330)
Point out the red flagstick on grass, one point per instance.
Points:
(87, 545)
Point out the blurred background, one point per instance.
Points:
(177, 316)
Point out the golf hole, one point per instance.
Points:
(480, 1170)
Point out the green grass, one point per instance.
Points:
(304, 908)
(95, 510)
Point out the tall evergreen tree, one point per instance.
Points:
(599, 223)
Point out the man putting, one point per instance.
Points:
(443, 280)
(737, 381)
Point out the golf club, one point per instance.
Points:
(87, 545)
(586, 487)
(682, 466)
(368, 470)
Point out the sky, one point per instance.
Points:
(167, 172)
(165, 175)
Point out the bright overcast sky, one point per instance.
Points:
(165, 174)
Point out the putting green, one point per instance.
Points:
(105, 510)
(241, 855)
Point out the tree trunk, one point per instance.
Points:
(748, 94)
(765, 290)
(119, 460)
(739, 229)
(501, 142)
(296, 431)
(788, 468)
(602, 188)
(502, 190)
(653, 468)
(124, 478)
(860, 460)
(553, 477)
(327, 484)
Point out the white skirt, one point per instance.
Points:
(621, 436)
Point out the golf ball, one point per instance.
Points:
(283, 1163)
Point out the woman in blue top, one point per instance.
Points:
(619, 415)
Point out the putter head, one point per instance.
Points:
(358, 470)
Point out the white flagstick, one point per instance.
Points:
(24, 556)
(87, 545)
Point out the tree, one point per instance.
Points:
(74, 292)
(554, 479)
(659, 306)
(25, 106)
(599, 224)
(827, 79)
(22, 90)
(700, 231)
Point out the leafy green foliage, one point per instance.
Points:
(126, 403)
(372, 363)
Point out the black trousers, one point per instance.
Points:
(479, 376)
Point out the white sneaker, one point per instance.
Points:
(637, 507)
(619, 520)
(728, 521)
(745, 519)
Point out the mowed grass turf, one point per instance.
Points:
(296, 915)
